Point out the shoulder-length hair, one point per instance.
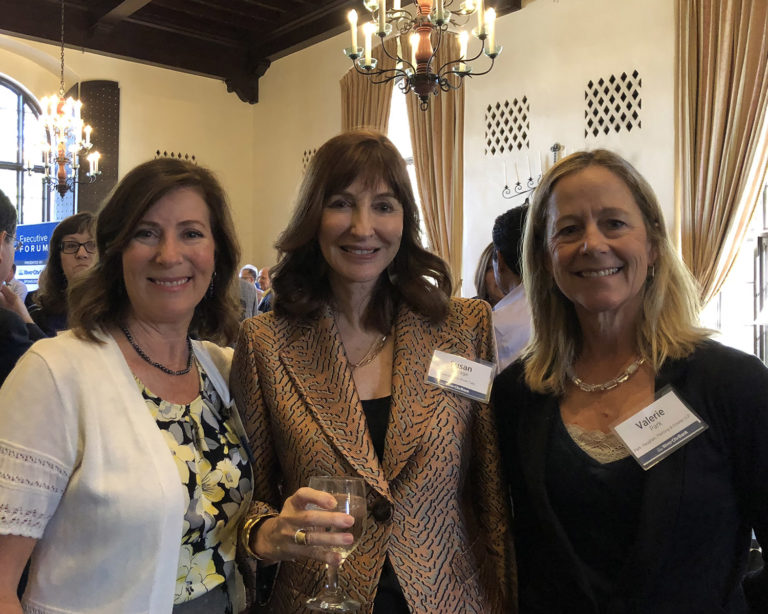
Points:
(416, 277)
(98, 299)
(483, 265)
(668, 322)
(52, 292)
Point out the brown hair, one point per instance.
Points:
(417, 277)
(52, 293)
(98, 298)
(668, 326)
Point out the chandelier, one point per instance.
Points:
(70, 138)
(423, 23)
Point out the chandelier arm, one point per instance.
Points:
(387, 53)
(380, 75)
(472, 74)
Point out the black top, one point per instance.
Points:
(50, 323)
(16, 337)
(389, 596)
(698, 506)
(578, 485)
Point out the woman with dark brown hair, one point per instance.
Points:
(125, 471)
(334, 382)
(71, 252)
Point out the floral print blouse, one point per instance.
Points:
(214, 469)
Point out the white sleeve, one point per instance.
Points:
(38, 446)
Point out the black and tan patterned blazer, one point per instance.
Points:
(435, 501)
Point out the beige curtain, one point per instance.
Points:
(437, 135)
(722, 93)
(365, 104)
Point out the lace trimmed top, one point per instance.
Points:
(603, 447)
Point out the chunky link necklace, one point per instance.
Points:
(611, 383)
(157, 365)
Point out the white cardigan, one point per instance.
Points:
(84, 469)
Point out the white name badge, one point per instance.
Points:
(658, 430)
(469, 378)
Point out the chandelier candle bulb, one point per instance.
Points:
(383, 17)
(480, 16)
(368, 29)
(463, 42)
(395, 5)
(352, 17)
(490, 27)
(88, 136)
(399, 64)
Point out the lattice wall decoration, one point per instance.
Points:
(306, 157)
(177, 155)
(507, 126)
(613, 104)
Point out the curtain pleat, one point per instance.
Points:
(437, 136)
(365, 104)
(720, 161)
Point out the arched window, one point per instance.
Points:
(22, 136)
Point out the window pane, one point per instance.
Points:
(34, 192)
(8, 185)
(8, 125)
(34, 137)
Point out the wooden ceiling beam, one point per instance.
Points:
(120, 11)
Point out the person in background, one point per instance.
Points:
(485, 280)
(333, 382)
(125, 471)
(17, 330)
(72, 252)
(511, 315)
(265, 284)
(615, 330)
(249, 299)
(250, 273)
(18, 286)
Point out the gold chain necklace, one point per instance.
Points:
(370, 355)
(611, 383)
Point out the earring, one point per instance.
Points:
(209, 292)
(651, 272)
(391, 275)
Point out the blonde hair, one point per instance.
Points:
(668, 327)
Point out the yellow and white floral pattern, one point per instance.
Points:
(214, 469)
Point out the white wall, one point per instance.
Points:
(551, 50)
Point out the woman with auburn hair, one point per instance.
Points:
(71, 252)
(333, 382)
(124, 470)
(634, 446)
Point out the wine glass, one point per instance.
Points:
(350, 499)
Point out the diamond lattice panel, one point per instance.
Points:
(507, 126)
(613, 104)
(306, 157)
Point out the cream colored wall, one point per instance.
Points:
(299, 109)
(551, 50)
(159, 109)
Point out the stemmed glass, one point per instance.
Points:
(350, 498)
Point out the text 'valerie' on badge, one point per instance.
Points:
(658, 430)
(469, 378)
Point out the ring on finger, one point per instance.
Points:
(301, 537)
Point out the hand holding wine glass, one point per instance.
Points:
(350, 497)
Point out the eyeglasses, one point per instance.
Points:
(72, 247)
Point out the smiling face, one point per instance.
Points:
(82, 260)
(598, 244)
(360, 232)
(169, 261)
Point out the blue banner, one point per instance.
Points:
(32, 255)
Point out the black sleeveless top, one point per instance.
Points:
(389, 596)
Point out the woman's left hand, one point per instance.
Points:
(305, 528)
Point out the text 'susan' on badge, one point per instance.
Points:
(469, 378)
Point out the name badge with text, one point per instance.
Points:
(658, 430)
(469, 378)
